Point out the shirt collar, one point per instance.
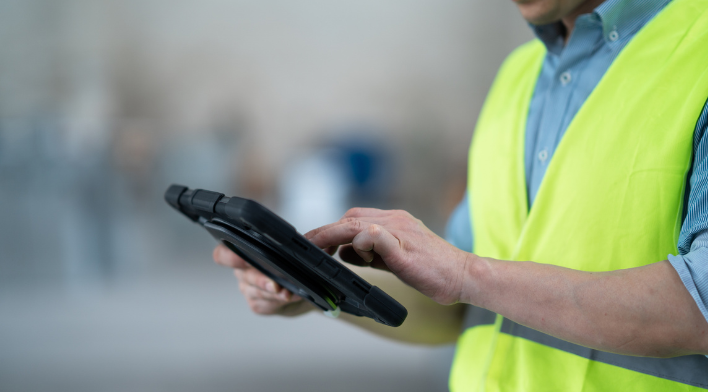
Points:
(619, 18)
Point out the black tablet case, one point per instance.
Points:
(275, 248)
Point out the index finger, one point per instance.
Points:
(362, 212)
(335, 234)
(354, 214)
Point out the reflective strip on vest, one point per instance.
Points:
(689, 369)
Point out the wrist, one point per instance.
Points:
(475, 273)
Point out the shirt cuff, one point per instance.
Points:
(692, 268)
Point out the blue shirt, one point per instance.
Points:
(569, 74)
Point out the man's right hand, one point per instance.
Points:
(264, 296)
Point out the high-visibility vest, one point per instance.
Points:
(612, 198)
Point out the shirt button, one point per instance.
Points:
(542, 156)
(613, 36)
(565, 78)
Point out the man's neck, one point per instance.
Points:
(584, 8)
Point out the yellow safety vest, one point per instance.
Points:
(611, 199)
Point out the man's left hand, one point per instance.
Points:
(397, 242)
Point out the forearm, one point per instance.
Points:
(642, 311)
(427, 323)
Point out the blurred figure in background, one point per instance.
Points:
(355, 168)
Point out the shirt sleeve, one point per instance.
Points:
(693, 270)
(691, 263)
(459, 227)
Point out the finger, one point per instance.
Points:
(295, 298)
(265, 307)
(253, 292)
(312, 233)
(387, 220)
(339, 233)
(349, 255)
(352, 215)
(376, 240)
(367, 239)
(360, 212)
(282, 297)
(255, 278)
(224, 256)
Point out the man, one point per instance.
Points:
(588, 167)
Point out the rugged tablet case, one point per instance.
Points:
(275, 248)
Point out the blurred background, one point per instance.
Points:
(309, 106)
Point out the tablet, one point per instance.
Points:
(275, 248)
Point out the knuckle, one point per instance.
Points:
(250, 276)
(374, 230)
(353, 223)
(348, 220)
(312, 233)
(263, 282)
(353, 212)
(404, 214)
(253, 293)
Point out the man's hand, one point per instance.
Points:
(396, 241)
(264, 296)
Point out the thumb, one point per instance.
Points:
(375, 240)
(349, 255)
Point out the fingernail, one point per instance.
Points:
(285, 295)
(270, 286)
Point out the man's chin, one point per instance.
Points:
(539, 12)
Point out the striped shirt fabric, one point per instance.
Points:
(569, 74)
